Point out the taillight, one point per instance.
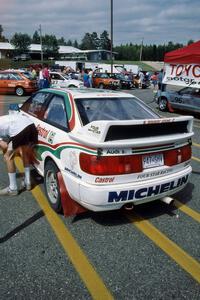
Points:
(127, 164)
(177, 156)
(110, 165)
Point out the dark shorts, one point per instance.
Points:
(28, 136)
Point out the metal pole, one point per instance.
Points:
(111, 46)
(40, 30)
(141, 49)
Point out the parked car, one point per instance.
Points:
(22, 57)
(125, 83)
(103, 81)
(187, 99)
(107, 149)
(64, 81)
(17, 82)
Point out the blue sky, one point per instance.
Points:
(155, 21)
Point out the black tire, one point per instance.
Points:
(163, 104)
(101, 86)
(19, 91)
(51, 185)
(71, 86)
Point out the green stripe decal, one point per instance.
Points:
(57, 152)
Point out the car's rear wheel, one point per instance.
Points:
(101, 86)
(163, 104)
(51, 184)
(19, 91)
(72, 86)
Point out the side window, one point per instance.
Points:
(56, 113)
(14, 76)
(36, 104)
(3, 76)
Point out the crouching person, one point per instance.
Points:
(18, 135)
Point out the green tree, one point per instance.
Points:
(50, 46)
(2, 37)
(36, 38)
(62, 42)
(69, 43)
(86, 43)
(21, 42)
(105, 42)
(75, 44)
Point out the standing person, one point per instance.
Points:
(90, 78)
(40, 79)
(86, 79)
(46, 76)
(18, 136)
(161, 86)
(154, 80)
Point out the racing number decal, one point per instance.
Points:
(178, 100)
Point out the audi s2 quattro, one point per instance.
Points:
(107, 148)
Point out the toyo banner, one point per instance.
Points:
(182, 74)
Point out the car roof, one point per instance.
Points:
(90, 93)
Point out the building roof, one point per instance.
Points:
(37, 47)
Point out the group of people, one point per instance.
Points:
(156, 79)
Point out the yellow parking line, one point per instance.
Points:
(195, 144)
(92, 280)
(187, 210)
(195, 158)
(188, 263)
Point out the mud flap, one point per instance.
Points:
(70, 207)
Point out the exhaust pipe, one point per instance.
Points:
(129, 206)
(167, 200)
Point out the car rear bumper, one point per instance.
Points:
(114, 196)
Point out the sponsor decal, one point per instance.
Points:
(153, 174)
(104, 180)
(94, 129)
(182, 75)
(73, 173)
(113, 151)
(146, 192)
(159, 121)
(51, 137)
(43, 132)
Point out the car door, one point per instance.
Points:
(56, 79)
(48, 112)
(4, 83)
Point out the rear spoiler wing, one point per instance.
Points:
(132, 133)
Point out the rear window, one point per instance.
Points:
(113, 109)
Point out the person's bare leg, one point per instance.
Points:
(12, 189)
(24, 150)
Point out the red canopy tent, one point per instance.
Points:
(187, 55)
(182, 66)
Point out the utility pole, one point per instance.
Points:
(111, 33)
(40, 30)
(141, 49)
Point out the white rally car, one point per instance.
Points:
(104, 149)
(61, 80)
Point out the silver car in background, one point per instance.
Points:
(187, 99)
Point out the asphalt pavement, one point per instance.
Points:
(152, 252)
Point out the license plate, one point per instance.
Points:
(150, 161)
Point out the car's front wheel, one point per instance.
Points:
(163, 104)
(19, 91)
(51, 184)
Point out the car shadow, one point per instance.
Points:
(146, 211)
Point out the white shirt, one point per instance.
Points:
(11, 125)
